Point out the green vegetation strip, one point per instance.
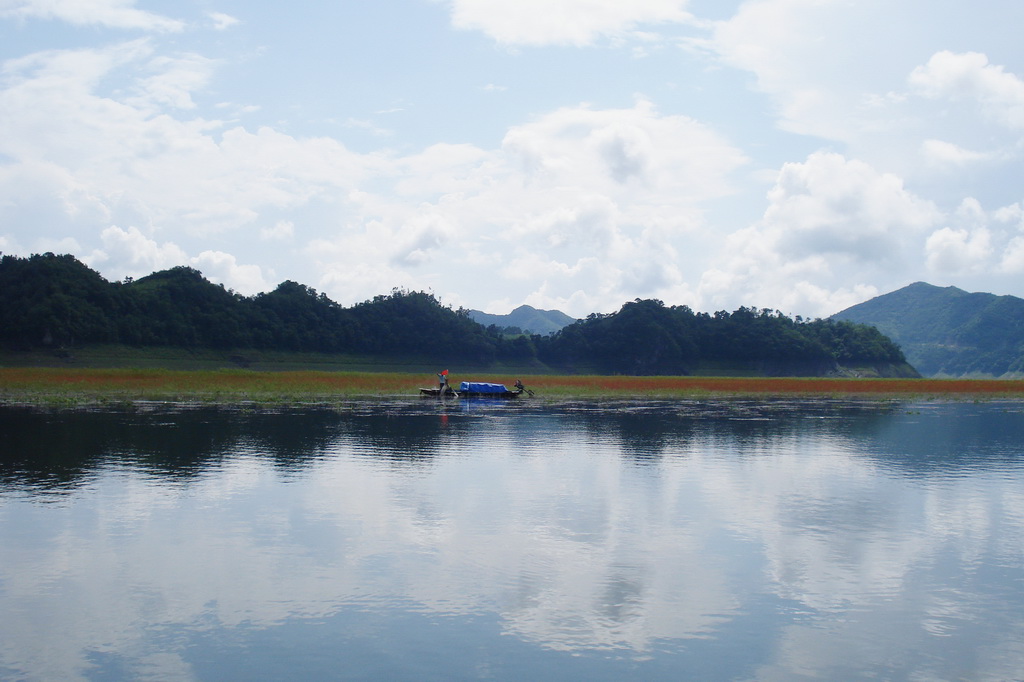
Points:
(56, 386)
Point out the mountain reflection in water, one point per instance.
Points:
(723, 539)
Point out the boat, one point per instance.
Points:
(436, 392)
(478, 389)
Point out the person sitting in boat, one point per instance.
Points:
(519, 386)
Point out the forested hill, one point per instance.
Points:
(647, 337)
(948, 331)
(50, 301)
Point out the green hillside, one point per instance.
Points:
(948, 331)
(55, 304)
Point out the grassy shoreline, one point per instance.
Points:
(78, 386)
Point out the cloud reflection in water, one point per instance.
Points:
(736, 539)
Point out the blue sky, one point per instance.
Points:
(802, 155)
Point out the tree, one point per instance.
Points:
(54, 300)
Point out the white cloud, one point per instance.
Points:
(221, 21)
(851, 73)
(615, 148)
(419, 238)
(976, 242)
(132, 253)
(617, 188)
(120, 14)
(829, 204)
(364, 279)
(832, 226)
(939, 153)
(971, 213)
(956, 251)
(172, 83)
(223, 268)
(574, 206)
(52, 245)
(563, 22)
(282, 230)
(1010, 214)
(368, 126)
(155, 168)
(970, 76)
(791, 48)
(579, 199)
(129, 252)
(1012, 261)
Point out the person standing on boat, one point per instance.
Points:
(442, 378)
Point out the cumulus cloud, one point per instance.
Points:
(562, 22)
(829, 204)
(977, 241)
(620, 188)
(881, 104)
(281, 230)
(1011, 215)
(131, 253)
(157, 168)
(831, 227)
(121, 14)
(791, 48)
(583, 201)
(940, 153)
(1012, 262)
(224, 268)
(614, 147)
(955, 251)
(418, 238)
(570, 205)
(970, 76)
(134, 254)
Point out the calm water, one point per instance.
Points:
(728, 540)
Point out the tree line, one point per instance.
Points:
(57, 301)
(648, 337)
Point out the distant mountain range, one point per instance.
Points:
(527, 319)
(945, 331)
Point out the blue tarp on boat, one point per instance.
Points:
(480, 387)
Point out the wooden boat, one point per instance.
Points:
(478, 389)
(436, 392)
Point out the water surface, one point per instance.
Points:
(727, 540)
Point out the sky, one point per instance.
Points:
(797, 155)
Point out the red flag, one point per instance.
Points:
(444, 373)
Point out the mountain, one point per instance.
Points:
(948, 331)
(646, 337)
(527, 318)
(56, 303)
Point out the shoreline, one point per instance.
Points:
(57, 387)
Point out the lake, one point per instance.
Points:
(727, 539)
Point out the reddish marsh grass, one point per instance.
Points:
(71, 384)
(171, 383)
